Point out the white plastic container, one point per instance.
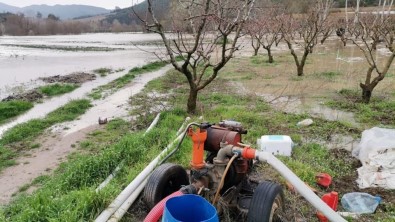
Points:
(276, 144)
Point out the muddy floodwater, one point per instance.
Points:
(23, 59)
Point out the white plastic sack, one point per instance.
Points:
(376, 152)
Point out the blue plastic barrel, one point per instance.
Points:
(189, 208)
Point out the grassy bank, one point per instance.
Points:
(122, 81)
(57, 89)
(380, 111)
(21, 136)
(14, 108)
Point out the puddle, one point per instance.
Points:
(296, 105)
(337, 141)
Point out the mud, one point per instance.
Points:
(30, 96)
(54, 150)
(74, 78)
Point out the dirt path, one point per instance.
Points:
(39, 162)
(55, 147)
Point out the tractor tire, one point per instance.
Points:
(266, 204)
(165, 180)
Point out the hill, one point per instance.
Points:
(127, 16)
(61, 11)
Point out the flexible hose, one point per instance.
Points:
(156, 212)
(221, 184)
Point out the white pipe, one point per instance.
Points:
(299, 185)
(112, 175)
(108, 179)
(183, 125)
(126, 205)
(153, 124)
(123, 196)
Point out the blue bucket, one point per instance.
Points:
(189, 208)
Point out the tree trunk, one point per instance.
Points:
(256, 51)
(269, 53)
(191, 105)
(366, 93)
(300, 69)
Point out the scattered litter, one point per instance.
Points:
(361, 203)
(377, 155)
(332, 200)
(323, 179)
(349, 214)
(306, 122)
(102, 121)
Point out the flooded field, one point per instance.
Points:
(23, 59)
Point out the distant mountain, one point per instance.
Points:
(127, 16)
(61, 11)
(8, 8)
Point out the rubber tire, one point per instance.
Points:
(267, 200)
(165, 180)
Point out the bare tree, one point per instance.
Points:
(304, 30)
(369, 32)
(265, 29)
(205, 37)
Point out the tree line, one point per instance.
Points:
(20, 25)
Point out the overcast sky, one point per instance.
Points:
(109, 4)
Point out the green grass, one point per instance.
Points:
(378, 111)
(33, 128)
(329, 75)
(69, 194)
(14, 108)
(103, 71)
(57, 89)
(261, 60)
(21, 137)
(97, 93)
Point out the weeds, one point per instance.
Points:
(10, 109)
(57, 89)
(378, 111)
(103, 71)
(33, 128)
(122, 81)
(20, 136)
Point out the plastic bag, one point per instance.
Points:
(376, 152)
(361, 203)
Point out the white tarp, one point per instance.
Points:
(376, 152)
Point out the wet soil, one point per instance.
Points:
(30, 96)
(42, 161)
(74, 78)
(34, 95)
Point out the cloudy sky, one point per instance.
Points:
(109, 4)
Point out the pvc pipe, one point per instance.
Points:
(183, 125)
(126, 205)
(123, 196)
(108, 179)
(299, 185)
(153, 124)
(112, 175)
